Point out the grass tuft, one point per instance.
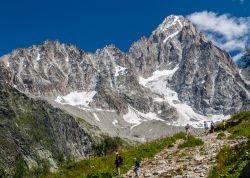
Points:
(221, 135)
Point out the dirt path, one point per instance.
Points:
(188, 163)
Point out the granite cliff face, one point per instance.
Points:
(205, 76)
(174, 77)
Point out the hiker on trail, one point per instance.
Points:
(212, 127)
(205, 127)
(187, 128)
(137, 168)
(224, 124)
(118, 163)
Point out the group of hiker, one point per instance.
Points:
(119, 162)
(206, 128)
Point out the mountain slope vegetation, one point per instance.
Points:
(32, 131)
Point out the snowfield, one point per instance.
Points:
(136, 117)
(157, 84)
(120, 70)
(76, 98)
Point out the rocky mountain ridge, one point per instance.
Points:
(174, 77)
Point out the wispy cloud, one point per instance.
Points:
(229, 33)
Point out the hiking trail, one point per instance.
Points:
(184, 163)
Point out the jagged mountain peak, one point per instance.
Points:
(172, 26)
(175, 76)
(111, 51)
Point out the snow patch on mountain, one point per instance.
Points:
(170, 36)
(38, 57)
(157, 74)
(157, 84)
(76, 98)
(136, 117)
(96, 117)
(170, 27)
(94, 109)
(115, 122)
(67, 58)
(170, 22)
(120, 70)
(132, 117)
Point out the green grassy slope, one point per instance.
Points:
(104, 166)
(231, 161)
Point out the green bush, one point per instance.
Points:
(41, 170)
(221, 135)
(231, 161)
(107, 145)
(2, 173)
(20, 169)
(243, 128)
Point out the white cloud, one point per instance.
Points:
(237, 57)
(241, 1)
(229, 33)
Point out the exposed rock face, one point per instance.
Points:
(37, 131)
(176, 76)
(206, 79)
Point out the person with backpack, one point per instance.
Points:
(212, 128)
(118, 163)
(137, 168)
(205, 127)
(187, 128)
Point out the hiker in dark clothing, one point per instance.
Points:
(187, 128)
(137, 168)
(118, 163)
(212, 127)
(245, 172)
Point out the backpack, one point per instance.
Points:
(120, 160)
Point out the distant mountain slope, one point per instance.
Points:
(174, 77)
(35, 131)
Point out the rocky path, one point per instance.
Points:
(187, 162)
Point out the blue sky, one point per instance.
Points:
(92, 24)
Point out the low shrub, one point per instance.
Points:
(107, 145)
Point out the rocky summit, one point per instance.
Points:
(174, 77)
